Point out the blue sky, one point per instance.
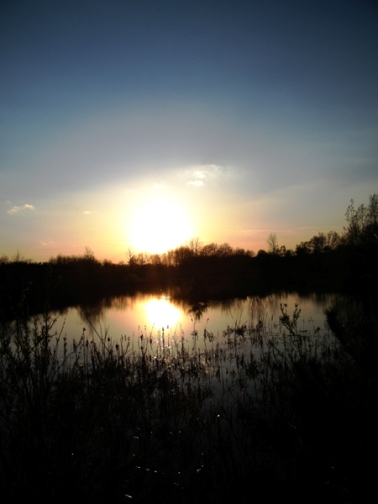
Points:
(142, 124)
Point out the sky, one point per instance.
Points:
(138, 124)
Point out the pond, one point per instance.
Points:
(221, 344)
(204, 382)
(183, 393)
(155, 316)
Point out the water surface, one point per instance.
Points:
(156, 315)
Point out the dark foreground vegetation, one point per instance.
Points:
(327, 262)
(257, 413)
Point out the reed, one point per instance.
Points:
(255, 408)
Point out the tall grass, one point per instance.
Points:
(254, 410)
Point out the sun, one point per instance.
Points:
(158, 225)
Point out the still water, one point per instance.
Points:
(156, 315)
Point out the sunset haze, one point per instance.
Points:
(142, 124)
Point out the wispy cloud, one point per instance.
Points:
(17, 209)
(199, 174)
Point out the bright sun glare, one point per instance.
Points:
(158, 226)
(161, 313)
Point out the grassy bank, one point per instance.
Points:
(258, 412)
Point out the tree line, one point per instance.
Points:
(328, 261)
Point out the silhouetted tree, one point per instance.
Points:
(182, 254)
(302, 249)
(89, 254)
(4, 259)
(272, 243)
(225, 250)
(317, 243)
(195, 245)
(209, 250)
(362, 228)
(332, 240)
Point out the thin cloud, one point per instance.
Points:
(17, 209)
(201, 173)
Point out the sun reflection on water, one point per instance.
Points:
(160, 313)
